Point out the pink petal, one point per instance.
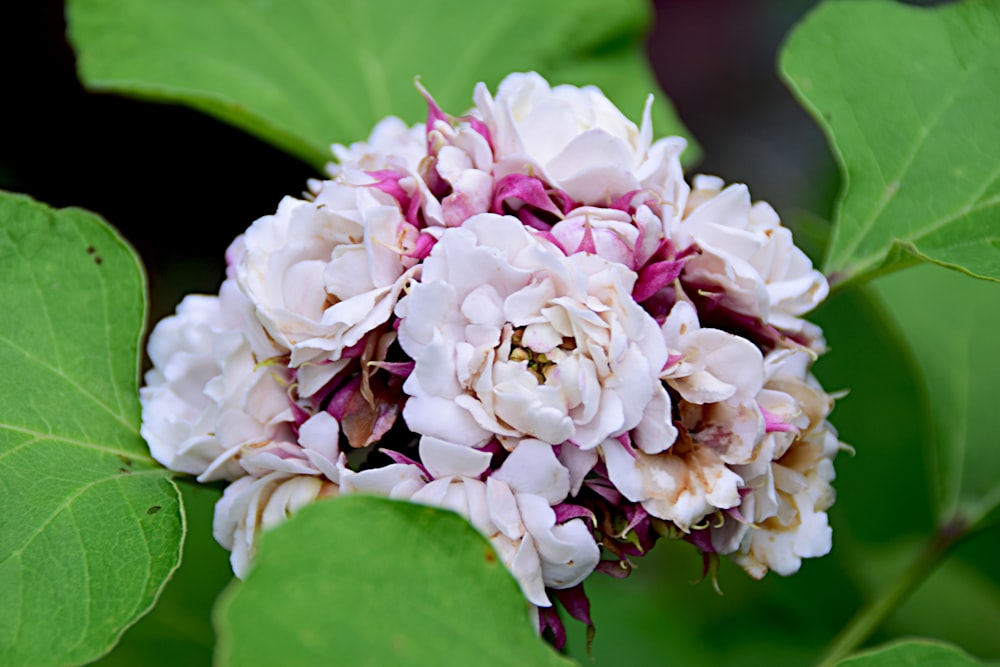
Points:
(773, 423)
(387, 181)
(423, 246)
(480, 127)
(654, 277)
(619, 569)
(566, 511)
(529, 190)
(587, 242)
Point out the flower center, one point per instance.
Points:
(539, 363)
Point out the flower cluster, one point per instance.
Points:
(525, 315)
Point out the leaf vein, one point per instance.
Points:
(18, 447)
(39, 435)
(938, 224)
(892, 186)
(88, 577)
(58, 371)
(16, 553)
(941, 222)
(145, 539)
(32, 266)
(112, 376)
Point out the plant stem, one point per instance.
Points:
(875, 612)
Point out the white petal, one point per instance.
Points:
(446, 459)
(503, 508)
(575, 566)
(579, 462)
(321, 433)
(533, 468)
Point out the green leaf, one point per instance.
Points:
(913, 653)
(179, 630)
(91, 526)
(951, 324)
(370, 581)
(302, 74)
(908, 99)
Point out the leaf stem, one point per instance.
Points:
(879, 608)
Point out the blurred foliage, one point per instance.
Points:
(906, 653)
(950, 324)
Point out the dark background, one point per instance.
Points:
(180, 186)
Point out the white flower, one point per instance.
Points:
(391, 144)
(316, 451)
(323, 274)
(206, 396)
(577, 140)
(398, 481)
(790, 480)
(684, 484)
(252, 504)
(796, 495)
(553, 411)
(285, 475)
(513, 339)
(718, 376)
(513, 509)
(746, 256)
(709, 365)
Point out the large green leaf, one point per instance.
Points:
(908, 98)
(179, 630)
(369, 581)
(914, 653)
(951, 324)
(91, 526)
(304, 73)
